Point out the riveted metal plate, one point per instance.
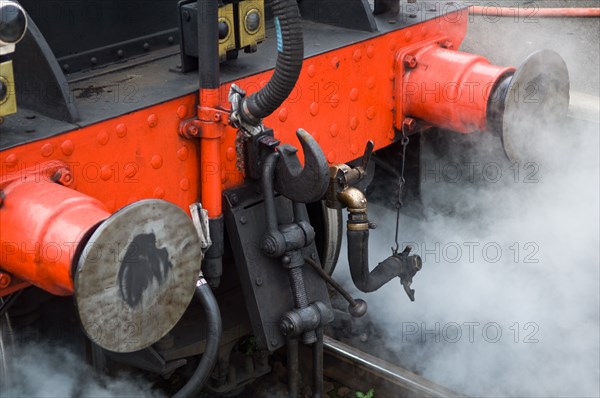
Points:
(264, 280)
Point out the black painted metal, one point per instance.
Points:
(188, 33)
(264, 281)
(41, 85)
(350, 14)
(92, 33)
(387, 6)
(212, 265)
(208, 43)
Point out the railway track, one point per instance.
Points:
(361, 371)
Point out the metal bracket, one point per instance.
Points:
(200, 220)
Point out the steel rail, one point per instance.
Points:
(362, 371)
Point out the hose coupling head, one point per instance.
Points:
(240, 117)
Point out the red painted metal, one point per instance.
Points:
(448, 88)
(42, 225)
(343, 98)
(211, 132)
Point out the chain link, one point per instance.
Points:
(401, 182)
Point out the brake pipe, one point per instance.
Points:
(493, 11)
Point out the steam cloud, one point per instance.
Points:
(46, 371)
(507, 302)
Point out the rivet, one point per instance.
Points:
(131, 171)
(371, 82)
(11, 160)
(334, 130)
(357, 55)
(159, 193)
(283, 115)
(393, 44)
(371, 112)
(354, 148)
(314, 109)
(93, 60)
(354, 94)
(224, 176)
(184, 184)
(152, 120)
(371, 51)
(392, 75)
(335, 62)
(448, 45)
(106, 172)
(231, 154)
(47, 150)
(5, 280)
(121, 130)
(331, 157)
(354, 123)
(183, 153)
(146, 46)
(408, 36)
(312, 71)
(67, 147)
(424, 31)
(391, 135)
(102, 137)
(182, 111)
(243, 219)
(120, 53)
(156, 161)
(171, 40)
(258, 281)
(335, 101)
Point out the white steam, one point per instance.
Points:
(47, 371)
(507, 302)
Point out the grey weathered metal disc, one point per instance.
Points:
(537, 100)
(136, 275)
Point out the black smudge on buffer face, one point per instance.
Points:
(143, 263)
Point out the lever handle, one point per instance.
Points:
(356, 307)
(367, 155)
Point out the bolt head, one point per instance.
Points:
(409, 123)
(410, 61)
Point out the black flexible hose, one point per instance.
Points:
(290, 46)
(213, 338)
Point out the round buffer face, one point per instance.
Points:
(536, 103)
(137, 275)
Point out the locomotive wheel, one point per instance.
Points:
(328, 226)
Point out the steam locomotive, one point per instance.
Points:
(173, 173)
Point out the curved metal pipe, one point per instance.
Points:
(539, 12)
(213, 338)
(397, 265)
